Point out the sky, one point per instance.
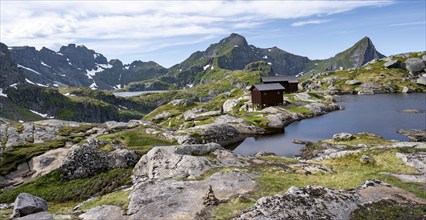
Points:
(168, 32)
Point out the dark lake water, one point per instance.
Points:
(377, 114)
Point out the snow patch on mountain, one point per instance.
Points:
(29, 69)
(2, 94)
(41, 114)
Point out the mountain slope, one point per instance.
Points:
(359, 54)
(79, 66)
(234, 53)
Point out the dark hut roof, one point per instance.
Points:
(269, 79)
(267, 87)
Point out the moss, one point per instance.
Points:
(316, 95)
(136, 140)
(233, 207)
(389, 209)
(302, 110)
(24, 152)
(5, 214)
(62, 208)
(51, 188)
(256, 119)
(118, 198)
(69, 130)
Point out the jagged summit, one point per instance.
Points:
(234, 39)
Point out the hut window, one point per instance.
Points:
(278, 93)
(264, 93)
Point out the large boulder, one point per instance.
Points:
(421, 80)
(27, 204)
(392, 64)
(370, 89)
(415, 65)
(318, 202)
(220, 133)
(172, 199)
(88, 159)
(183, 161)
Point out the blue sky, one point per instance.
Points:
(167, 32)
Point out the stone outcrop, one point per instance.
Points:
(32, 132)
(242, 126)
(27, 204)
(220, 133)
(414, 134)
(415, 65)
(88, 159)
(342, 137)
(318, 202)
(183, 161)
(370, 88)
(172, 199)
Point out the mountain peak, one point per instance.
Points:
(234, 39)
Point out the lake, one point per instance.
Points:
(378, 114)
(129, 94)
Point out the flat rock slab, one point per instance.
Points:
(183, 161)
(173, 199)
(104, 212)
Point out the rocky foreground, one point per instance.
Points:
(95, 171)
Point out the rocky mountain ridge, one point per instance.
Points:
(79, 66)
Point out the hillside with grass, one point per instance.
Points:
(377, 76)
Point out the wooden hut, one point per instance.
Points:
(267, 94)
(290, 83)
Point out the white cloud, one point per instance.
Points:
(150, 25)
(302, 23)
(408, 24)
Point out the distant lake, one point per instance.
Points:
(378, 114)
(128, 94)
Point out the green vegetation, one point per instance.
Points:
(67, 131)
(51, 188)
(389, 209)
(136, 140)
(24, 152)
(302, 110)
(118, 198)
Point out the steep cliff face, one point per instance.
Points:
(9, 72)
